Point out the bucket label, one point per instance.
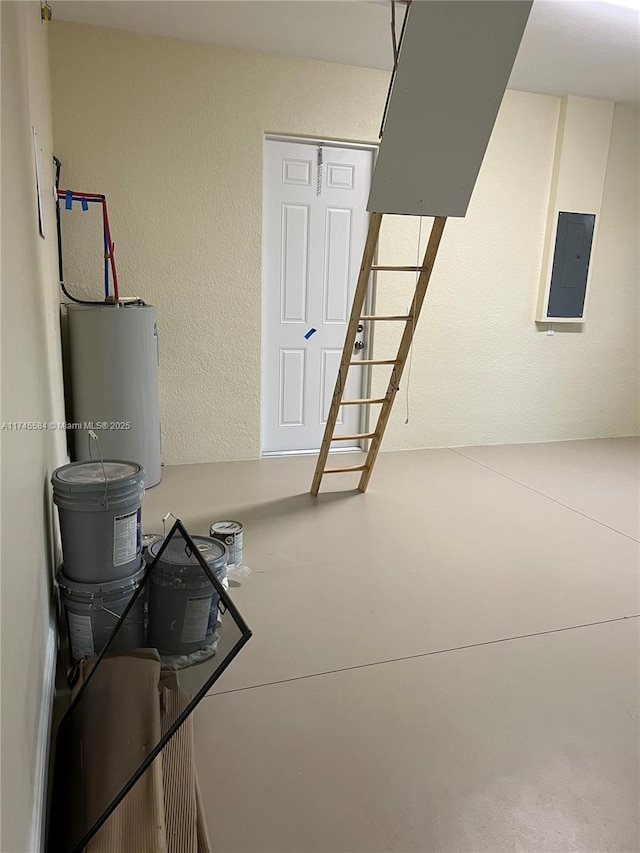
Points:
(234, 544)
(80, 635)
(126, 537)
(196, 619)
(213, 616)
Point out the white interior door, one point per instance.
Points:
(314, 229)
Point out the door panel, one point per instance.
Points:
(337, 257)
(314, 230)
(295, 263)
(292, 379)
(296, 171)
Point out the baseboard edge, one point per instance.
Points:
(44, 744)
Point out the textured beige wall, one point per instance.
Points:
(482, 371)
(579, 172)
(173, 132)
(31, 391)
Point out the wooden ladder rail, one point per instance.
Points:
(403, 349)
(399, 362)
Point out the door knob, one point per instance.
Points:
(358, 345)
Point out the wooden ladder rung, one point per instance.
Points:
(356, 436)
(380, 268)
(375, 361)
(404, 317)
(366, 400)
(345, 469)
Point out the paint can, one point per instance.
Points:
(99, 509)
(149, 539)
(232, 534)
(183, 603)
(93, 611)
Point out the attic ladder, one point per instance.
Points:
(410, 321)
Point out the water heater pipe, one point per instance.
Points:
(75, 195)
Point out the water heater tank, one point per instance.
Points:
(113, 354)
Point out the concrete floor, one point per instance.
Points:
(447, 663)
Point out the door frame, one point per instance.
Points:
(369, 300)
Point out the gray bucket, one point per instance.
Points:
(99, 519)
(93, 611)
(183, 603)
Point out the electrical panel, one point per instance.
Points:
(570, 270)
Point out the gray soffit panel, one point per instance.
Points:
(453, 70)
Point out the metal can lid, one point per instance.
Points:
(177, 552)
(100, 588)
(225, 528)
(92, 472)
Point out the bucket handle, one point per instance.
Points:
(118, 616)
(91, 435)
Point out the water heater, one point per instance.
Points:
(113, 355)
